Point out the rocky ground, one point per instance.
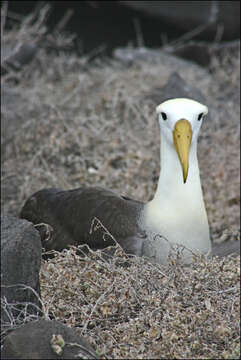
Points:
(67, 121)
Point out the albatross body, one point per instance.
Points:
(174, 218)
(177, 211)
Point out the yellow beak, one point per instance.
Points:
(182, 138)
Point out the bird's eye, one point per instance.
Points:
(164, 115)
(200, 116)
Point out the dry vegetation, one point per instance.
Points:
(129, 308)
(81, 123)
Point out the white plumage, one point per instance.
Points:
(177, 211)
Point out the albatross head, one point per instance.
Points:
(180, 120)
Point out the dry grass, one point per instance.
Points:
(129, 308)
(79, 123)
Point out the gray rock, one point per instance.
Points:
(165, 56)
(176, 87)
(36, 340)
(189, 15)
(203, 52)
(20, 266)
(129, 56)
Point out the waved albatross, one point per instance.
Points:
(176, 217)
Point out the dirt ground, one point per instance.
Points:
(68, 122)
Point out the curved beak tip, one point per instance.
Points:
(185, 174)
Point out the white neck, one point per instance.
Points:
(171, 184)
(177, 210)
